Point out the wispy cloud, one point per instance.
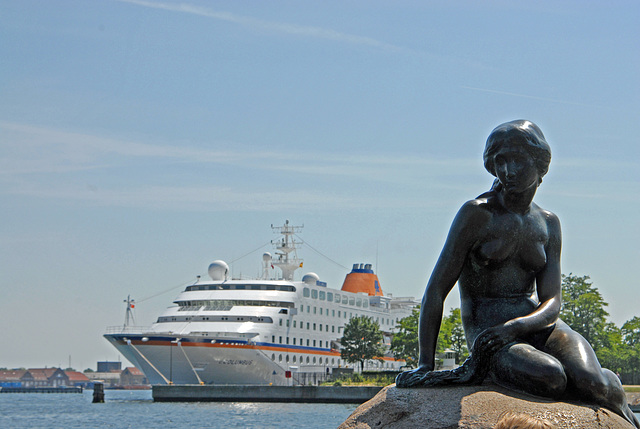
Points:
(211, 198)
(530, 97)
(34, 149)
(47, 163)
(280, 27)
(53, 150)
(29, 149)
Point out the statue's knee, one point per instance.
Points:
(556, 383)
(549, 381)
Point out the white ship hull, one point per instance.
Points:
(164, 362)
(205, 364)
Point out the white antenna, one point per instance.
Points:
(266, 264)
(128, 317)
(287, 264)
(377, 246)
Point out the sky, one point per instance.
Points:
(141, 139)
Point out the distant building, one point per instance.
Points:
(78, 379)
(12, 377)
(56, 377)
(132, 376)
(40, 377)
(109, 379)
(448, 360)
(45, 377)
(107, 366)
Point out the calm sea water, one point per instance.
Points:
(136, 409)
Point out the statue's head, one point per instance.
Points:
(523, 133)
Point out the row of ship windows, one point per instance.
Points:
(307, 293)
(265, 319)
(255, 319)
(321, 361)
(310, 343)
(331, 297)
(227, 304)
(310, 326)
(283, 288)
(340, 314)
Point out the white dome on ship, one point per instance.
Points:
(218, 270)
(266, 256)
(310, 278)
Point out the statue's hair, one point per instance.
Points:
(510, 420)
(521, 131)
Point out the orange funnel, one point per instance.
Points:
(362, 279)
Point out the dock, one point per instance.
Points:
(261, 393)
(299, 394)
(40, 389)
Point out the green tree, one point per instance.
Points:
(404, 344)
(612, 354)
(445, 334)
(361, 341)
(583, 309)
(631, 332)
(458, 340)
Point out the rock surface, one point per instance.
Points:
(471, 407)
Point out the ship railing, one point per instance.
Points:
(127, 329)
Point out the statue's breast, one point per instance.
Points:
(494, 251)
(513, 241)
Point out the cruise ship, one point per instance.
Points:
(272, 330)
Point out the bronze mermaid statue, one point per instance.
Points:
(503, 250)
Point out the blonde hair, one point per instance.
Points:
(521, 421)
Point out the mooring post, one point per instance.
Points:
(98, 393)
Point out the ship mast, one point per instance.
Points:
(128, 317)
(286, 256)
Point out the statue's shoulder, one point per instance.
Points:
(551, 219)
(477, 211)
(481, 204)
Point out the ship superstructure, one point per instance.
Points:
(264, 331)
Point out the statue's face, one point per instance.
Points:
(515, 168)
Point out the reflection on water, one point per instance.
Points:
(136, 409)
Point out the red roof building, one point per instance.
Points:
(132, 376)
(45, 377)
(12, 376)
(77, 379)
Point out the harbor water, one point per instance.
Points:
(136, 409)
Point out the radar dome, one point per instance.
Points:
(266, 256)
(310, 278)
(218, 270)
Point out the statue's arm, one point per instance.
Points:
(549, 279)
(549, 289)
(462, 235)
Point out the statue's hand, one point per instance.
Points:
(493, 339)
(412, 378)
